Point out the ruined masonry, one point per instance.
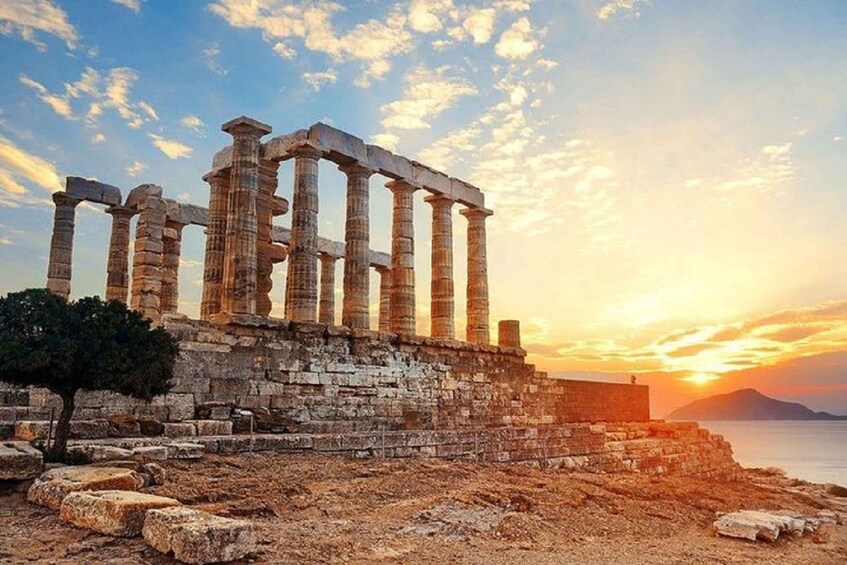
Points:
(359, 387)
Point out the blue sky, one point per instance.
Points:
(661, 171)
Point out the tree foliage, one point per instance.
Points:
(89, 344)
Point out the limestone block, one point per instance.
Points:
(97, 453)
(92, 190)
(179, 429)
(185, 450)
(213, 427)
(19, 461)
(198, 537)
(111, 512)
(154, 472)
(54, 485)
(748, 525)
(28, 430)
(150, 453)
(329, 138)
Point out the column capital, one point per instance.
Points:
(306, 150)
(476, 213)
(401, 185)
(65, 199)
(357, 168)
(437, 200)
(381, 269)
(119, 211)
(218, 175)
(243, 125)
(324, 256)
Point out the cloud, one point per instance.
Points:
(26, 17)
(210, 54)
(118, 84)
(386, 140)
(283, 50)
(134, 5)
(480, 25)
(135, 168)
(60, 104)
(317, 80)
(517, 42)
(148, 109)
(424, 15)
(17, 167)
(372, 43)
(171, 148)
(192, 122)
(448, 150)
(98, 138)
(631, 8)
(427, 94)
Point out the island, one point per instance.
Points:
(747, 404)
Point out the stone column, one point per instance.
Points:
(239, 281)
(441, 295)
(355, 312)
(62, 245)
(509, 333)
(301, 293)
(477, 331)
(326, 314)
(384, 298)
(117, 266)
(402, 258)
(147, 259)
(172, 249)
(267, 207)
(213, 268)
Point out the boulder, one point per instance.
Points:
(19, 461)
(198, 537)
(113, 512)
(54, 485)
(746, 526)
(155, 473)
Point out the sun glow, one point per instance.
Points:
(700, 379)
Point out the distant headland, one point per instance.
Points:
(747, 404)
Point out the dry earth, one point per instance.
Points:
(314, 509)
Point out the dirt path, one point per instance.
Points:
(313, 509)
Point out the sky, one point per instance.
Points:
(668, 176)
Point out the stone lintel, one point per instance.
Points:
(245, 125)
(93, 191)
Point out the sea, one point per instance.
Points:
(814, 451)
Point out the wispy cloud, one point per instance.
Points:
(171, 148)
(317, 79)
(517, 42)
(134, 5)
(210, 55)
(630, 8)
(19, 167)
(193, 123)
(26, 17)
(427, 94)
(135, 168)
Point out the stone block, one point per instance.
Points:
(98, 453)
(198, 537)
(150, 453)
(155, 473)
(185, 450)
(28, 430)
(19, 461)
(54, 485)
(213, 427)
(179, 429)
(111, 512)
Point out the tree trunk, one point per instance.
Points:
(63, 426)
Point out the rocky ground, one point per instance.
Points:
(315, 509)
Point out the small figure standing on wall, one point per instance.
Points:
(632, 379)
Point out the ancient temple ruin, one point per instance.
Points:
(310, 383)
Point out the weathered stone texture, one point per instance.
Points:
(111, 512)
(355, 312)
(53, 486)
(213, 269)
(149, 246)
(301, 290)
(509, 333)
(60, 262)
(198, 537)
(326, 308)
(19, 461)
(171, 251)
(441, 291)
(477, 298)
(117, 266)
(402, 304)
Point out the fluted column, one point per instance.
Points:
(213, 268)
(441, 295)
(117, 266)
(326, 312)
(60, 263)
(172, 249)
(239, 281)
(354, 313)
(477, 331)
(402, 258)
(268, 206)
(384, 298)
(301, 293)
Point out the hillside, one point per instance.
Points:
(746, 404)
